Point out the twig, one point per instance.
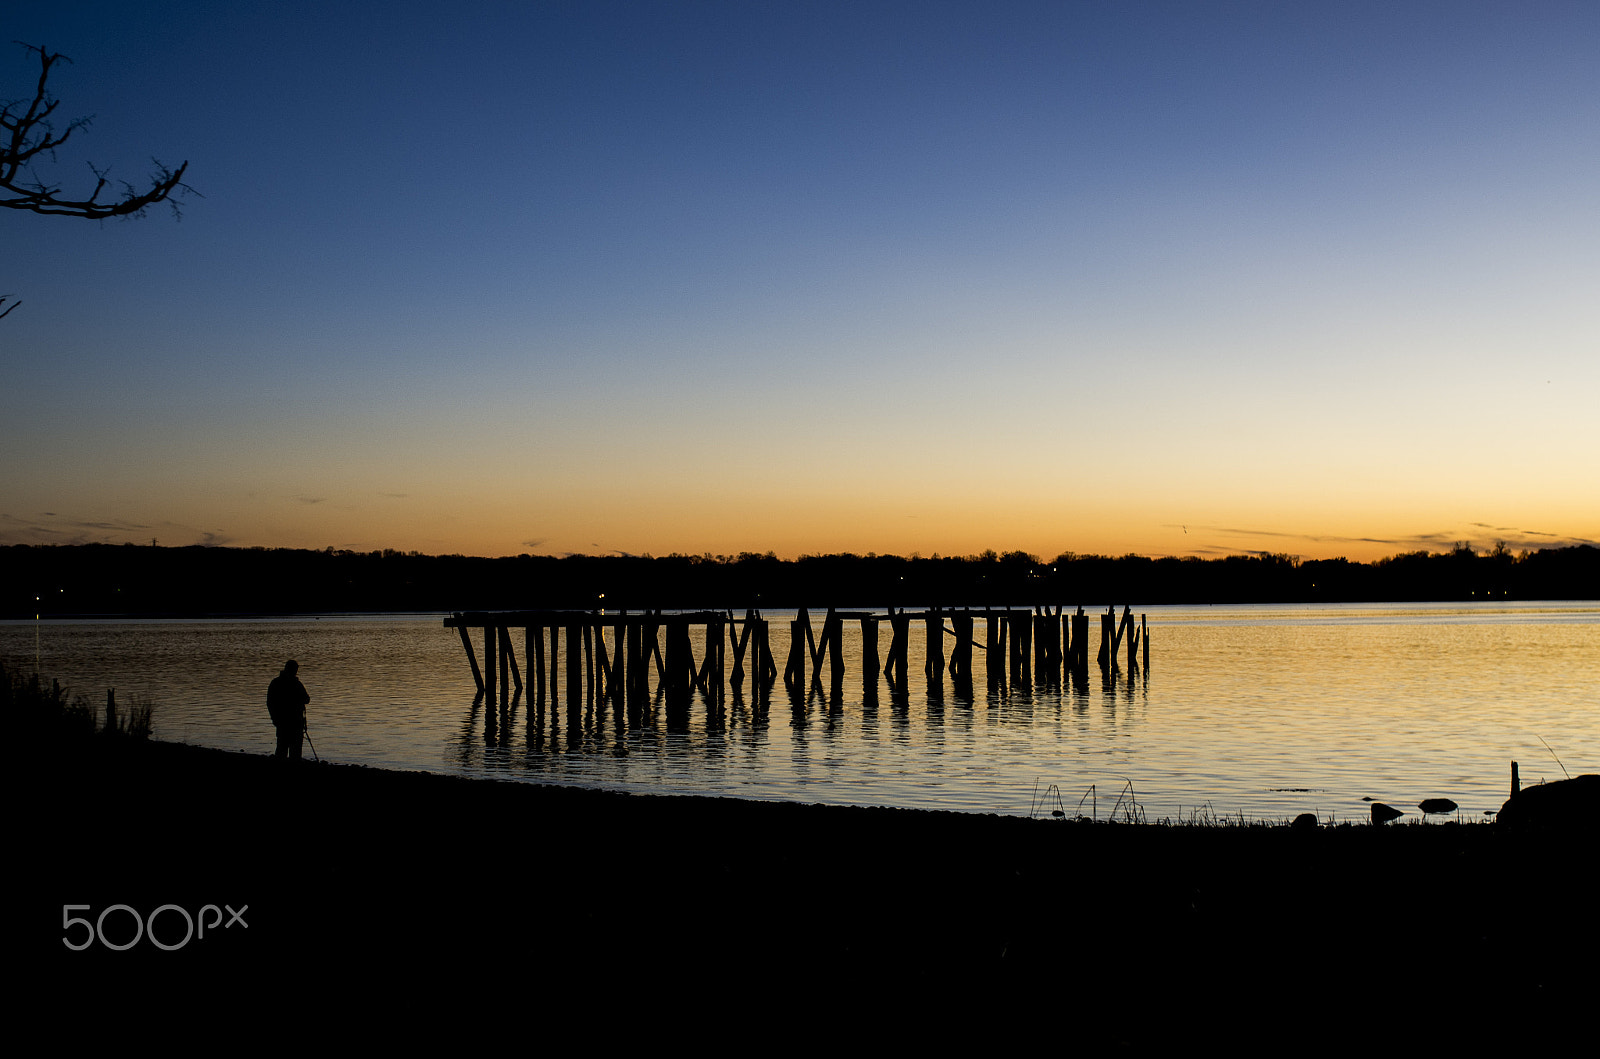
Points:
(1553, 754)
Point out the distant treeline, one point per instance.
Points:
(140, 579)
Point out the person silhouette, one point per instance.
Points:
(286, 702)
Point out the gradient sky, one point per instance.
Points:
(1176, 278)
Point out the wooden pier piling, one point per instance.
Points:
(1021, 647)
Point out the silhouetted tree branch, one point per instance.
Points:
(27, 135)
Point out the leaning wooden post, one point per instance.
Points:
(516, 670)
(472, 658)
(701, 676)
(741, 643)
(817, 647)
(601, 673)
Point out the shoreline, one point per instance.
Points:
(412, 879)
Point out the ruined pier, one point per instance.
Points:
(614, 655)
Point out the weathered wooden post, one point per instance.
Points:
(555, 663)
(1054, 657)
(589, 634)
(676, 665)
(602, 672)
(617, 681)
(533, 651)
(1144, 641)
(934, 621)
(794, 672)
(961, 649)
(574, 664)
(489, 665)
(994, 647)
(516, 671)
(633, 633)
(1019, 624)
(869, 647)
(652, 646)
(502, 671)
(833, 632)
(1106, 620)
(1080, 641)
(711, 669)
(1046, 643)
(894, 666)
(766, 667)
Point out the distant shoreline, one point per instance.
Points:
(89, 618)
(134, 580)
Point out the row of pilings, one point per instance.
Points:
(612, 655)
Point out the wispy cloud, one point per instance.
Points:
(49, 527)
(1513, 538)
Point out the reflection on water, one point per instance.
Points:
(1268, 711)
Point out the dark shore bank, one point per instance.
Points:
(423, 896)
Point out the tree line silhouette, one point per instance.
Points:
(132, 579)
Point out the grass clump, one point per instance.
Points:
(36, 711)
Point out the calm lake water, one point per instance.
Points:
(1260, 711)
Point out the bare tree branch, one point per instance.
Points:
(27, 134)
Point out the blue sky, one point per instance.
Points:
(1167, 278)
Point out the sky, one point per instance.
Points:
(489, 278)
